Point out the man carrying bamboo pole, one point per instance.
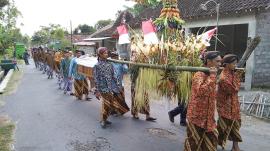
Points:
(105, 90)
(228, 106)
(80, 83)
(135, 109)
(201, 126)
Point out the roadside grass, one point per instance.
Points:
(14, 82)
(6, 134)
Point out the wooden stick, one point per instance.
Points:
(252, 44)
(263, 107)
(249, 107)
(268, 115)
(266, 104)
(258, 107)
(165, 67)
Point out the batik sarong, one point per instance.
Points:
(81, 87)
(198, 139)
(228, 130)
(110, 103)
(120, 102)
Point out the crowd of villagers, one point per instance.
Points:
(210, 91)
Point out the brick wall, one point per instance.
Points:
(261, 74)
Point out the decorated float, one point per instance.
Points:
(163, 58)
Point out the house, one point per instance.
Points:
(87, 47)
(238, 21)
(80, 44)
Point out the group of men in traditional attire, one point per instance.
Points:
(108, 80)
(203, 134)
(210, 91)
(64, 65)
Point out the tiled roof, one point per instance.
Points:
(189, 9)
(76, 38)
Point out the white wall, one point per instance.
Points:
(246, 19)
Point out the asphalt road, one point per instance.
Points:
(48, 120)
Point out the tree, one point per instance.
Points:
(9, 33)
(40, 37)
(84, 29)
(3, 3)
(102, 23)
(50, 36)
(139, 7)
(136, 9)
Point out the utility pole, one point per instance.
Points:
(71, 34)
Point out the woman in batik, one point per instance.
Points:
(228, 107)
(105, 90)
(201, 126)
(80, 82)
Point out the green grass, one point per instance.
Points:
(6, 136)
(14, 82)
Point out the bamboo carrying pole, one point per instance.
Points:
(162, 67)
(165, 67)
(252, 44)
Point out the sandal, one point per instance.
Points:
(151, 119)
(88, 99)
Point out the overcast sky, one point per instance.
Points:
(38, 13)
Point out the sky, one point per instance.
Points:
(36, 13)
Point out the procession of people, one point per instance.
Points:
(209, 92)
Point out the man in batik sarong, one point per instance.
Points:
(135, 110)
(64, 69)
(57, 60)
(35, 57)
(119, 71)
(202, 134)
(80, 82)
(50, 64)
(104, 78)
(228, 106)
(39, 57)
(44, 61)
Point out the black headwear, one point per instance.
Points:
(229, 58)
(82, 52)
(210, 55)
(65, 51)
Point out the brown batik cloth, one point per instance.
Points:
(120, 98)
(81, 87)
(109, 103)
(143, 110)
(228, 130)
(200, 140)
